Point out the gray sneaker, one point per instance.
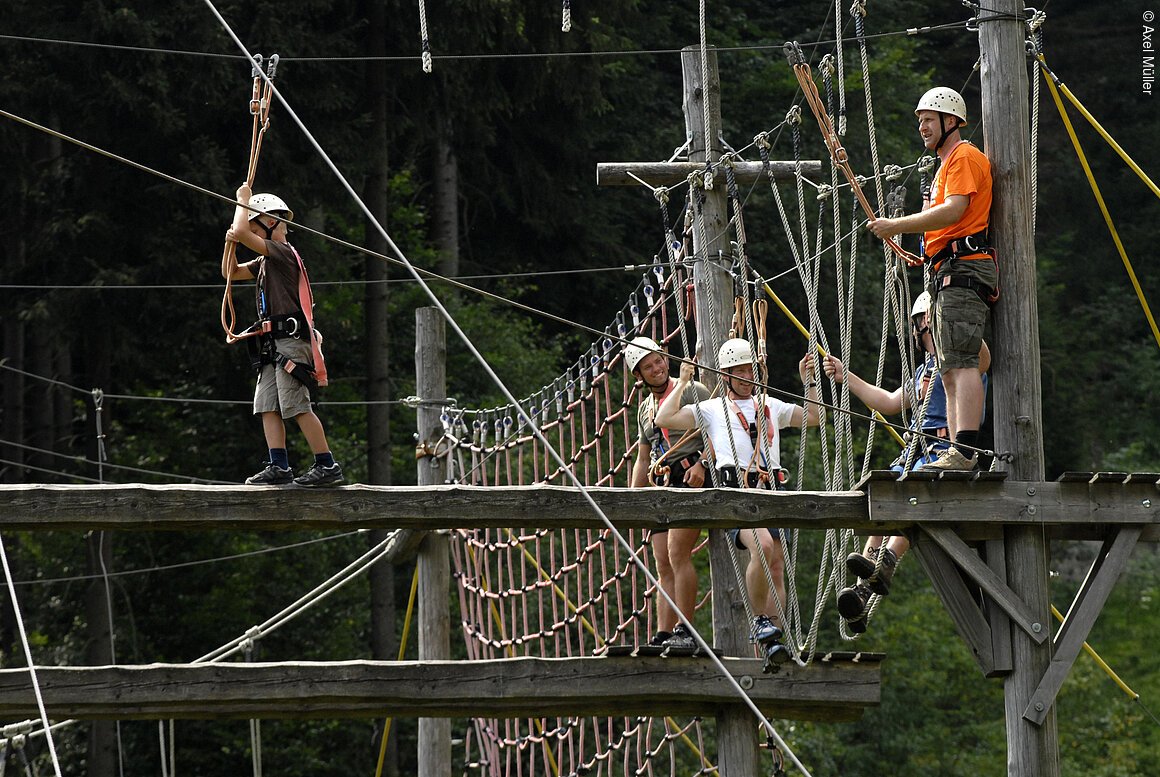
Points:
(319, 476)
(952, 459)
(272, 475)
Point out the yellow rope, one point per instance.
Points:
(822, 352)
(1051, 84)
(1101, 663)
(402, 655)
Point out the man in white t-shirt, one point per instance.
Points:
(736, 424)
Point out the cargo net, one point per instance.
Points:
(568, 593)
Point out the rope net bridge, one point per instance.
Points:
(568, 593)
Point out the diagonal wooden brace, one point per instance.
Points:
(991, 583)
(960, 604)
(1089, 600)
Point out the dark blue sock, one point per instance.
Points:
(324, 459)
(279, 458)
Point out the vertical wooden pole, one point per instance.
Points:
(1018, 418)
(434, 555)
(736, 729)
(376, 309)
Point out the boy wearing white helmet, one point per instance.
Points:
(964, 273)
(746, 443)
(875, 578)
(667, 457)
(290, 351)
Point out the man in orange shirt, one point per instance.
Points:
(964, 274)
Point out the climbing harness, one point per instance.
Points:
(801, 69)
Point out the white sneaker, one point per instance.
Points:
(952, 459)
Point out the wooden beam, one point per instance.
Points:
(185, 507)
(514, 687)
(957, 598)
(434, 630)
(974, 510)
(1097, 586)
(987, 504)
(974, 567)
(998, 620)
(658, 174)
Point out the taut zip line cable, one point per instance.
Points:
(487, 368)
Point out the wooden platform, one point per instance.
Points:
(837, 689)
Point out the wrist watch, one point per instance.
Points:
(705, 464)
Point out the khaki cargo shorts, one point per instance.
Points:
(277, 389)
(960, 317)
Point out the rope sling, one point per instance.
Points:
(261, 100)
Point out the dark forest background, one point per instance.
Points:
(485, 169)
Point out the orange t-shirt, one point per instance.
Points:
(966, 171)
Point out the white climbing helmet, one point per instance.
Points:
(637, 349)
(270, 203)
(733, 353)
(943, 99)
(921, 305)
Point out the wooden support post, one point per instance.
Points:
(434, 553)
(736, 740)
(1031, 748)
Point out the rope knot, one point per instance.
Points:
(793, 116)
(892, 172)
(858, 7)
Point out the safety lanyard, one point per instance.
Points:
(306, 302)
(747, 426)
(657, 406)
(801, 69)
(261, 101)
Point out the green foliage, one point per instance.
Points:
(528, 132)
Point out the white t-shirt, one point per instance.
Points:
(714, 413)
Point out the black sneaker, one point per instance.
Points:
(660, 638)
(319, 476)
(272, 475)
(681, 638)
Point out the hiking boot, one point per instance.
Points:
(272, 475)
(764, 631)
(681, 638)
(952, 459)
(319, 476)
(853, 606)
(863, 567)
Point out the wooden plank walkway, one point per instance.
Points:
(838, 689)
(977, 508)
